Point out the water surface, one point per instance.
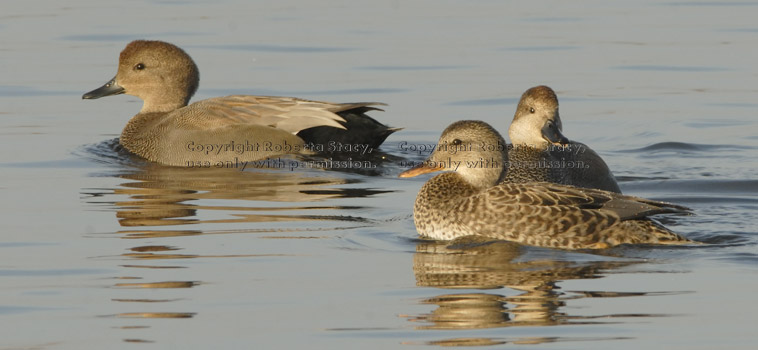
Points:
(101, 250)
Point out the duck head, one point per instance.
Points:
(159, 73)
(537, 122)
(470, 148)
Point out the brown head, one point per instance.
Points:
(472, 149)
(536, 122)
(159, 73)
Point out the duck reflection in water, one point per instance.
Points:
(474, 264)
(163, 196)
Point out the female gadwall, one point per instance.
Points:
(541, 153)
(220, 130)
(469, 201)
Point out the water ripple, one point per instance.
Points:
(540, 48)
(664, 68)
(685, 147)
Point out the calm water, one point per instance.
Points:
(106, 252)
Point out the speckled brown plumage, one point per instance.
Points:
(468, 202)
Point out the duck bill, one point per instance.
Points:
(110, 88)
(423, 168)
(552, 134)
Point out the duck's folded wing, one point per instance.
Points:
(625, 206)
(548, 194)
(544, 193)
(631, 208)
(285, 113)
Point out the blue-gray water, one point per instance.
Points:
(102, 251)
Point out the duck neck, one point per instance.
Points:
(163, 104)
(484, 174)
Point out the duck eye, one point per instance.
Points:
(139, 66)
(457, 142)
(531, 109)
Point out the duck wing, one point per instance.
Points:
(285, 113)
(549, 194)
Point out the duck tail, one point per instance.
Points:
(659, 234)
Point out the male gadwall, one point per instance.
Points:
(541, 153)
(229, 129)
(469, 201)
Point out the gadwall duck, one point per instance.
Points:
(540, 152)
(468, 201)
(221, 130)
